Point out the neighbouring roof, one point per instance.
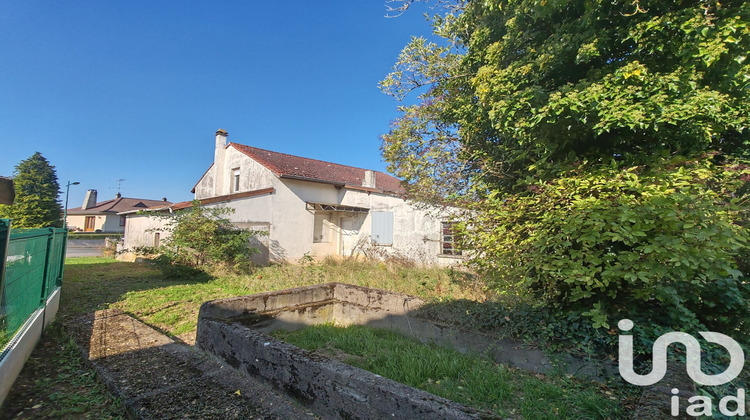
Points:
(297, 167)
(119, 205)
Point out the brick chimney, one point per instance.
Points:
(90, 200)
(219, 152)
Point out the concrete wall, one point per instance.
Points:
(140, 231)
(23, 343)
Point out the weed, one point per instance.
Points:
(468, 380)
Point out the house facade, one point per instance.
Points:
(104, 216)
(311, 208)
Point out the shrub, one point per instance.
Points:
(659, 244)
(202, 237)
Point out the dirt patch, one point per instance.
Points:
(187, 338)
(157, 378)
(57, 383)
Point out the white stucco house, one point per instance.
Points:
(309, 207)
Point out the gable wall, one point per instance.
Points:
(253, 176)
(205, 186)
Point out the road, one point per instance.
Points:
(83, 252)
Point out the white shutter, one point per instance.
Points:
(382, 227)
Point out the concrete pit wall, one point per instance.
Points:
(235, 329)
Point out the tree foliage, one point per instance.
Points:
(597, 147)
(36, 187)
(202, 237)
(614, 241)
(531, 87)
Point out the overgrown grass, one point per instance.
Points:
(172, 305)
(468, 380)
(56, 383)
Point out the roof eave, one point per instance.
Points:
(320, 181)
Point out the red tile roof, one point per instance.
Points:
(290, 166)
(120, 204)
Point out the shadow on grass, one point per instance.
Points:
(93, 283)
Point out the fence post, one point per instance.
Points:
(4, 240)
(47, 257)
(62, 257)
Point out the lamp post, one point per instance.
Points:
(67, 190)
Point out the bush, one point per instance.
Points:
(201, 237)
(661, 244)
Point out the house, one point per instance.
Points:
(7, 192)
(103, 216)
(311, 208)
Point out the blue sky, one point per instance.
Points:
(135, 90)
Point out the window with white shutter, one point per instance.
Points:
(382, 227)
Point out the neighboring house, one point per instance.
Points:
(310, 207)
(7, 192)
(103, 216)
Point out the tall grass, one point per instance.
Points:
(468, 380)
(172, 305)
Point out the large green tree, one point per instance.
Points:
(525, 88)
(598, 146)
(37, 189)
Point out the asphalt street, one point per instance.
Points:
(83, 252)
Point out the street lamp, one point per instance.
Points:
(67, 190)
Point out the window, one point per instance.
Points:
(447, 240)
(157, 239)
(382, 227)
(235, 180)
(322, 228)
(122, 220)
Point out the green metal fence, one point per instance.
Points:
(32, 269)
